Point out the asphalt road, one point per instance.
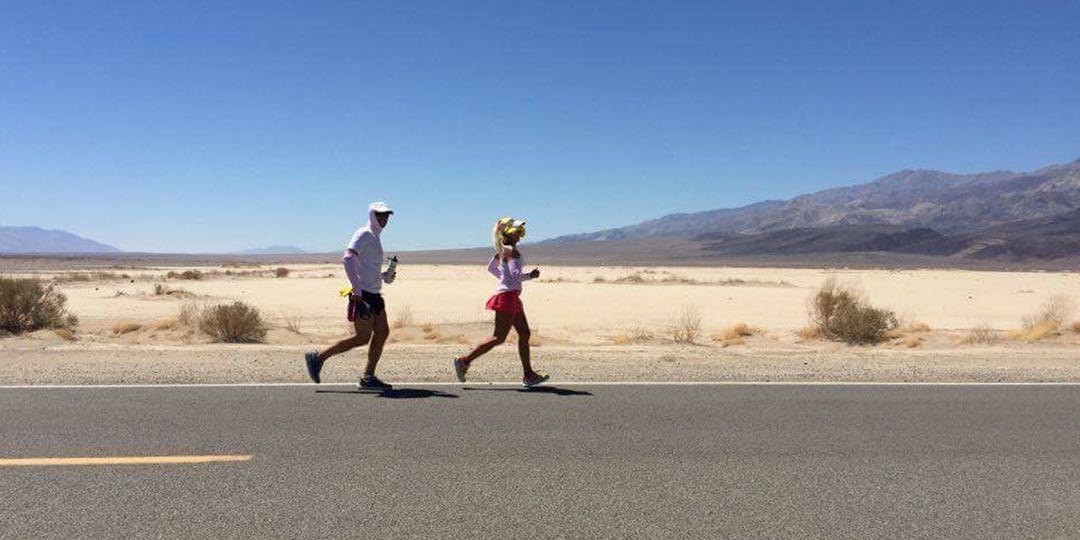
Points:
(582, 462)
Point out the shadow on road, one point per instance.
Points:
(553, 390)
(396, 393)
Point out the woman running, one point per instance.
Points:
(506, 265)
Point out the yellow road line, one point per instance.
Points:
(120, 460)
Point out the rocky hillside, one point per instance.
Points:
(946, 203)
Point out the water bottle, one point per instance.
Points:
(391, 269)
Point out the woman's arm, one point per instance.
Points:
(493, 266)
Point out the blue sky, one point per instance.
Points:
(217, 126)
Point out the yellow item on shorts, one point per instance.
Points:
(346, 291)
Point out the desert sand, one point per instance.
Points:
(603, 323)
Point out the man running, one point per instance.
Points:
(367, 311)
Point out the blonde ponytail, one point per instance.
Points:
(497, 238)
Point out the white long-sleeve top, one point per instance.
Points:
(509, 271)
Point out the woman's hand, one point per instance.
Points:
(534, 274)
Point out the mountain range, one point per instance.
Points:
(38, 240)
(1001, 215)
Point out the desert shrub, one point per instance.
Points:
(809, 332)
(916, 328)
(66, 334)
(912, 341)
(687, 325)
(1076, 327)
(191, 313)
(291, 322)
(28, 304)
(981, 334)
(126, 327)
(740, 330)
(281, 272)
(165, 324)
(634, 335)
(233, 323)
(841, 314)
(1042, 330)
(160, 289)
(403, 317)
(186, 274)
(1053, 312)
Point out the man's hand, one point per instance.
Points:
(389, 277)
(534, 274)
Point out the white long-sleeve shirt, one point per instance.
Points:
(509, 272)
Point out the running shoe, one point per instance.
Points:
(372, 382)
(314, 365)
(460, 367)
(534, 379)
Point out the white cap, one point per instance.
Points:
(380, 207)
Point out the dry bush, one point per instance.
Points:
(915, 328)
(740, 330)
(291, 322)
(841, 314)
(281, 272)
(89, 276)
(734, 341)
(165, 324)
(233, 323)
(428, 328)
(28, 304)
(981, 334)
(687, 326)
(403, 317)
(675, 279)
(160, 289)
(599, 279)
(633, 279)
(912, 341)
(126, 327)
(191, 313)
(186, 274)
(635, 335)
(1039, 331)
(1054, 311)
(65, 334)
(807, 333)
(1076, 327)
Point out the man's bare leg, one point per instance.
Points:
(379, 331)
(362, 336)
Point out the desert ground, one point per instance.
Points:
(590, 323)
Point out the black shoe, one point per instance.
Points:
(314, 365)
(372, 382)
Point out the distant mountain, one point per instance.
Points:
(946, 203)
(272, 250)
(38, 240)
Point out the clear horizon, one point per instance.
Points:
(195, 127)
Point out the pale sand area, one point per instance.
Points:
(576, 318)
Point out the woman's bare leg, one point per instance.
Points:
(503, 321)
(361, 338)
(521, 326)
